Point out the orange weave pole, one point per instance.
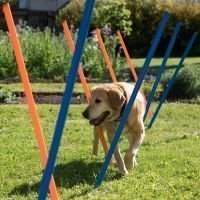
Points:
(130, 65)
(28, 92)
(83, 81)
(105, 54)
(128, 59)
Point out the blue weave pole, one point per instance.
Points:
(164, 96)
(83, 32)
(167, 53)
(132, 99)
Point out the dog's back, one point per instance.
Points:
(137, 113)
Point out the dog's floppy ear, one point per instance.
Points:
(116, 98)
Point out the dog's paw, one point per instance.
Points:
(129, 163)
(114, 164)
(124, 172)
(135, 164)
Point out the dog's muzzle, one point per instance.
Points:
(99, 119)
(86, 114)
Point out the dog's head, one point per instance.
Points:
(105, 104)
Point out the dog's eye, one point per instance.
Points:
(97, 101)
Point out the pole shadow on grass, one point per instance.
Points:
(68, 175)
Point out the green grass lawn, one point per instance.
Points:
(171, 65)
(171, 61)
(169, 166)
(45, 87)
(59, 87)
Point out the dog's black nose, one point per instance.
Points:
(86, 114)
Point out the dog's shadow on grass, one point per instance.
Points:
(69, 175)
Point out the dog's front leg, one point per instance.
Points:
(117, 153)
(135, 140)
(95, 142)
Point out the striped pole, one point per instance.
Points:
(164, 96)
(167, 54)
(132, 99)
(70, 82)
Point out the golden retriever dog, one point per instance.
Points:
(106, 108)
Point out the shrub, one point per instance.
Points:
(113, 13)
(7, 60)
(186, 84)
(188, 13)
(146, 15)
(112, 43)
(72, 12)
(147, 87)
(6, 96)
(145, 18)
(46, 55)
(93, 60)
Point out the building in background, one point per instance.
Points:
(37, 13)
(42, 5)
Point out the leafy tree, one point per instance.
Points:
(113, 13)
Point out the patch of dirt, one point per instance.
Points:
(49, 97)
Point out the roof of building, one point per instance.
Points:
(42, 5)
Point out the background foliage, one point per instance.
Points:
(112, 13)
(186, 84)
(146, 14)
(138, 20)
(47, 55)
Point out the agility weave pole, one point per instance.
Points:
(132, 99)
(70, 82)
(167, 54)
(130, 65)
(29, 96)
(128, 59)
(105, 55)
(83, 81)
(164, 96)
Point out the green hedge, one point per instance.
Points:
(138, 21)
(112, 13)
(186, 84)
(146, 15)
